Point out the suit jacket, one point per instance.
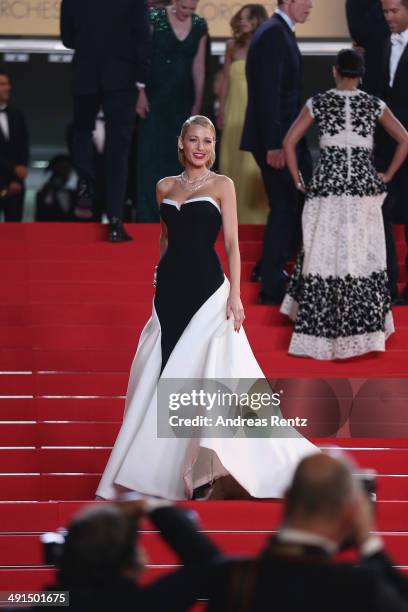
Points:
(307, 581)
(111, 39)
(15, 150)
(396, 98)
(273, 72)
(369, 30)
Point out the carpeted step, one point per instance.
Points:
(48, 487)
(15, 360)
(73, 233)
(58, 434)
(94, 271)
(14, 548)
(147, 252)
(93, 460)
(65, 384)
(76, 313)
(91, 433)
(83, 486)
(25, 579)
(214, 515)
(118, 337)
(62, 409)
(132, 314)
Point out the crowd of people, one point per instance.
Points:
(326, 510)
(157, 56)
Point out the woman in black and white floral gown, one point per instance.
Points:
(338, 295)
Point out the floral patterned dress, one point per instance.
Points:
(338, 295)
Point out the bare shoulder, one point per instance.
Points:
(223, 182)
(165, 185)
(230, 45)
(225, 190)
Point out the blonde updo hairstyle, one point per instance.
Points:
(204, 122)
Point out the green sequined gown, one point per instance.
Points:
(171, 95)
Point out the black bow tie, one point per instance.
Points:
(3, 110)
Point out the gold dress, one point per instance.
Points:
(239, 165)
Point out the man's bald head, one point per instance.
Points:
(320, 488)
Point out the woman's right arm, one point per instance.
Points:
(162, 188)
(397, 131)
(225, 82)
(296, 133)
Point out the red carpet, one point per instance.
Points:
(71, 311)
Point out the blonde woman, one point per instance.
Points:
(195, 333)
(240, 165)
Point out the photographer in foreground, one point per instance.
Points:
(100, 562)
(325, 508)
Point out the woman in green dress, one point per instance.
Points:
(173, 93)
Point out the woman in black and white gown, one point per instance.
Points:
(195, 333)
(338, 295)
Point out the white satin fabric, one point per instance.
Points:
(171, 468)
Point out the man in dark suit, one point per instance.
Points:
(274, 72)
(369, 30)
(393, 90)
(112, 45)
(324, 507)
(14, 154)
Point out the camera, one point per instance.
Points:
(368, 481)
(53, 546)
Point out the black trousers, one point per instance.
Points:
(395, 208)
(283, 227)
(119, 112)
(13, 206)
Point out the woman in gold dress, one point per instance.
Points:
(240, 165)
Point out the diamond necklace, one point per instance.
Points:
(194, 185)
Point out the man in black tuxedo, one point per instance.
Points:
(369, 30)
(14, 154)
(324, 507)
(274, 73)
(112, 45)
(393, 89)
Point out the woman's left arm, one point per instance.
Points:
(230, 228)
(199, 75)
(397, 131)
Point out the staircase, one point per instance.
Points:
(71, 311)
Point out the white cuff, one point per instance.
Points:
(370, 547)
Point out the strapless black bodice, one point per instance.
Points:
(190, 270)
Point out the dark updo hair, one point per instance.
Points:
(350, 64)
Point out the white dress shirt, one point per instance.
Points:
(398, 44)
(286, 17)
(4, 124)
(306, 538)
(371, 546)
